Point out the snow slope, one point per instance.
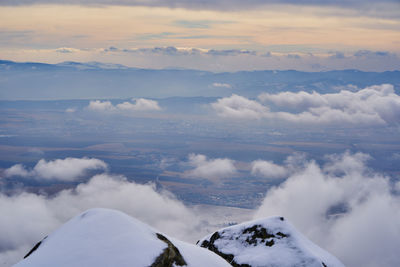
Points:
(103, 237)
(267, 242)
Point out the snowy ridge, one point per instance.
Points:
(267, 242)
(103, 237)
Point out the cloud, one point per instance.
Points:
(223, 85)
(166, 50)
(282, 57)
(98, 105)
(198, 24)
(268, 169)
(344, 206)
(298, 100)
(294, 56)
(220, 4)
(16, 170)
(68, 169)
(70, 110)
(183, 51)
(140, 104)
(44, 214)
(231, 52)
(373, 54)
(337, 55)
(239, 107)
(374, 105)
(66, 50)
(210, 168)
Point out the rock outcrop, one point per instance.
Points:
(267, 242)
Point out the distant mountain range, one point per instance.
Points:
(102, 237)
(74, 80)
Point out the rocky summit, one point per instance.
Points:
(267, 242)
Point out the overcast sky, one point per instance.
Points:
(214, 35)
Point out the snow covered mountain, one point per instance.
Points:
(267, 242)
(103, 237)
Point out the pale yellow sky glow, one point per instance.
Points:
(35, 32)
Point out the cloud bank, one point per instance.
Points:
(68, 169)
(210, 5)
(345, 207)
(268, 169)
(277, 57)
(375, 105)
(239, 107)
(140, 104)
(223, 85)
(30, 217)
(210, 168)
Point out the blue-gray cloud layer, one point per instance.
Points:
(204, 4)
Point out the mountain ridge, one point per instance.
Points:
(104, 237)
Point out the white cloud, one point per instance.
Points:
(98, 105)
(223, 85)
(375, 105)
(68, 169)
(210, 168)
(239, 107)
(70, 110)
(343, 206)
(299, 100)
(140, 104)
(348, 87)
(268, 169)
(30, 217)
(16, 170)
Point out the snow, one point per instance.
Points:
(196, 257)
(103, 237)
(294, 249)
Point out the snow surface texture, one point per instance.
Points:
(267, 242)
(103, 237)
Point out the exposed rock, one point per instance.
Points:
(34, 248)
(210, 246)
(267, 242)
(170, 255)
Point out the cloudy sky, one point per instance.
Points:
(214, 35)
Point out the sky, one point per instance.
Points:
(210, 35)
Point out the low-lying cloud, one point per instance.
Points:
(268, 169)
(29, 217)
(374, 105)
(345, 207)
(222, 85)
(140, 104)
(239, 107)
(210, 168)
(68, 169)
